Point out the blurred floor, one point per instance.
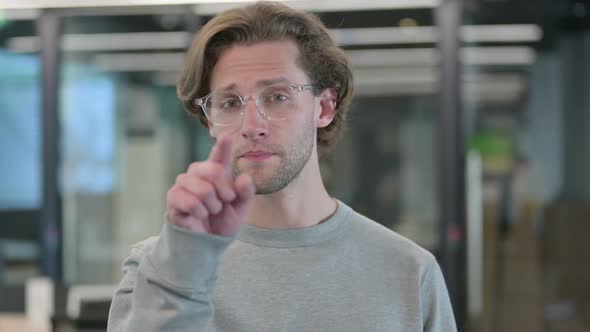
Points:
(17, 323)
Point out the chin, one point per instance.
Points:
(265, 180)
(259, 174)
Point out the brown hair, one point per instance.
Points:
(321, 59)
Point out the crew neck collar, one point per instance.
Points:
(296, 237)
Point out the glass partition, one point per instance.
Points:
(20, 164)
(527, 115)
(124, 135)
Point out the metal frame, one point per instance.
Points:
(51, 223)
(452, 157)
(50, 31)
(193, 23)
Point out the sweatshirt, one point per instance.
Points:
(348, 273)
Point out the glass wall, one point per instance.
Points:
(124, 135)
(526, 125)
(20, 164)
(385, 165)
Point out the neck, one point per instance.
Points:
(303, 202)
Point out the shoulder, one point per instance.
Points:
(381, 242)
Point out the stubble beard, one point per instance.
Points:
(292, 162)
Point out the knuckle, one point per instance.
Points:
(200, 211)
(173, 216)
(207, 189)
(210, 170)
(170, 194)
(216, 171)
(182, 201)
(191, 202)
(217, 207)
(193, 167)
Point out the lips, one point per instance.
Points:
(257, 154)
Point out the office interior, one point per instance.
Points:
(467, 134)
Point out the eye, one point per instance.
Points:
(278, 98)
(226, 102)
(230, 104)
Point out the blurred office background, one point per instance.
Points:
(467, 135)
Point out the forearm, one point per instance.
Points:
(155, 305)
(168, 287)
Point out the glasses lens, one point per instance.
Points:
(223, 108)
(277, 101)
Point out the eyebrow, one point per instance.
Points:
(261, 83)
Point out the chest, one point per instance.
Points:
(299, 290)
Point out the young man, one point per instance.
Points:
(252, 241)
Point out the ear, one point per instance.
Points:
(327, 108)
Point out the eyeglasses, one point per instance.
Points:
(274, 102)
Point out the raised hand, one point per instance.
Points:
(206, 198)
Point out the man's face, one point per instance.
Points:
(272, 151)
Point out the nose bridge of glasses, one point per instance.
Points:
(259, 109)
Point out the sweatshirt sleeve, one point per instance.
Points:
(436, 306)
(167, 286)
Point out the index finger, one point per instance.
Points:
(221, 152)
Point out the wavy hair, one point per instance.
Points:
(319, 56)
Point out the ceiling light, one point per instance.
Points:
(128, 62)
(217, 5)
(481, 56)
(502, 33)
(19, 14)
(429, 34)
(376, 36)
(212, 8)
(108, 41)
(498, 55)
(392, 57)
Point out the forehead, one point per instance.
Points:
(246, 66)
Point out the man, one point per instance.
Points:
(252, 241)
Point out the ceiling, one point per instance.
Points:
(400, 39)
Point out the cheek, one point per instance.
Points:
(305, 128)
(213, 131)
(317, 111)
(216, 131)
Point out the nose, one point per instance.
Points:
(254, 124)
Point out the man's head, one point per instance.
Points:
(272, 53)
(321, 59)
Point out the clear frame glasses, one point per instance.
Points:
(274, 102)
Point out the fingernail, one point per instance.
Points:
(233, 196)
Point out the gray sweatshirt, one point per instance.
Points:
(346, 274)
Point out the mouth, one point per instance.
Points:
(257, 155)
